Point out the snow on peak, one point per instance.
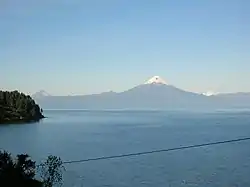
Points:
(156, 80)
(209, 93)
(44, 93)
(41, 93)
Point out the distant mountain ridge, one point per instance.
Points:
(41, 93)
(153, 94)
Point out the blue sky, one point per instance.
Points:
(82, 47)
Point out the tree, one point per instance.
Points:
(21, 171)
(26, 166)
(17, 172)
(51, 171)
(17, 107)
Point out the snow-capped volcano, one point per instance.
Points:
(156, 80)
(153, 94)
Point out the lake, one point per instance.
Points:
(79, 134)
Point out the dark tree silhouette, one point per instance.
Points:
(17, 107)
(51, 171)
(17, 172)
(21, 171)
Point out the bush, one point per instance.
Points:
(21, 171)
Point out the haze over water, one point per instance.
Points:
(78, 134)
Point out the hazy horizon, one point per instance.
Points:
(209, 93)
(79, 48)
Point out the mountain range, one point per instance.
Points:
(153, 94)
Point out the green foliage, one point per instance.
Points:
(21, 171)
(17, 172)
(18, 107)
(51, 171)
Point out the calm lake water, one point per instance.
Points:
(74, 135)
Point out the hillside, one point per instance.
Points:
(17, 107)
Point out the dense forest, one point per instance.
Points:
(16, 107)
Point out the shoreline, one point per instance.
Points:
(22, 121)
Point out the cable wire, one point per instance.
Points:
(157, 151)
